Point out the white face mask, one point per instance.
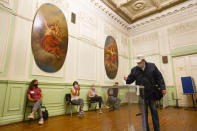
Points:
(75, 85)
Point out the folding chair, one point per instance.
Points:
(69, 102)
(29, 106)
(92, 102)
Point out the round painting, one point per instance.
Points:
(49, 38)
(111, 57)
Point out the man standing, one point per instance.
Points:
(147, 75)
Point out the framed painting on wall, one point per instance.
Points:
(111, 57)
(49, 38)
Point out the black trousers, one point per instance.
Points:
(97, 99)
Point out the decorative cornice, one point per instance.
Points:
(179, 13)
(148, 37)
(182, 28)
(107, 11)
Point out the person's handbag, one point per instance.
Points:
(45, 114)
(156, 92)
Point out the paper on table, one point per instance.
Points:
(138, 91)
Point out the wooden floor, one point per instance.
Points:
(171, 119)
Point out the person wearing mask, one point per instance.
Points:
(34, 95)
(75, 93)
(93, 96)
(146, 74)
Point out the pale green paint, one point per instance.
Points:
(45, 83)
(2, 96)
(12, 102)
(14, 99)
(10, 119)
(191, 49)
(171, 89)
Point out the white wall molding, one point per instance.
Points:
(5, 26)
(183, 34)
(183, 27)
(8, 4)
(19, 50)
(146, 44)
(86, 62)
(109, 13)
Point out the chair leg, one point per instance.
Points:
(95, 106)
(24, 113)
(89, 104)
(78, 108)
(71, 110)
(177, 104)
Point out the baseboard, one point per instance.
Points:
(10, 119)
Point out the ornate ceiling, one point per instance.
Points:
(133, 10)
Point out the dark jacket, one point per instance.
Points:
(148, 78)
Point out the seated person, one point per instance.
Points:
(34, 95)
(75, 92)
(113, 99)
(92, 96)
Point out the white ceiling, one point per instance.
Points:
(133, 10)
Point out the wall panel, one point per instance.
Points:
(3, 90)
(86, 66)
(14, 99)
(19, 54)
(5, 25)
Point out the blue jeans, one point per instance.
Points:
(154, 113)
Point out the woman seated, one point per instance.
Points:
(34, 95)
(93, 96)
(75, 92)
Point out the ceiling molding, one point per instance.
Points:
(179, 13)
(110, 13)
(134, 10)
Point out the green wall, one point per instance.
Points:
(13, 97)
(170, 90)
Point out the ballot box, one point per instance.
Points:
(125, 108)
